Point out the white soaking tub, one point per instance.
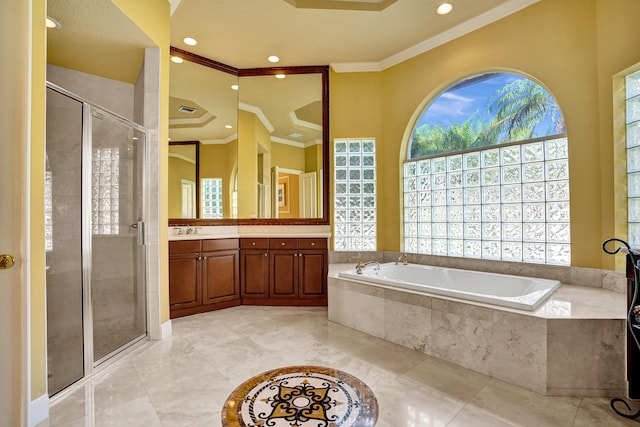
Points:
(525, 293)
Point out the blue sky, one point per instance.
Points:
(455, 105)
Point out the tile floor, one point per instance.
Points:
(185, 380)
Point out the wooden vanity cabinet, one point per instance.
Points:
(283, 268)
(254, 269)
(313, 267)
(220, 271)
(203, 275)
(184, 275)
(284, 271)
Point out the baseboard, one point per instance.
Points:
(38, 410)
(165, 329)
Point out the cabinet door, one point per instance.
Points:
(283, 270)
(184, 281)
(220, 276)
(254, 273)
(313, 269)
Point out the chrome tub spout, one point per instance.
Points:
(362, 265)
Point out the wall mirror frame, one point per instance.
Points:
(322, 218)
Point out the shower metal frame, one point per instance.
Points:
(88, 108)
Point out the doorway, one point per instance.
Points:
(94, 236)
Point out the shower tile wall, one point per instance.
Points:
(112, 95)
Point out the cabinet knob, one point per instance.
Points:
(313, 243)
(265, 254)
(253, 243)
(282, 243)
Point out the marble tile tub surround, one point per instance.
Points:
(579, 276)
(573, 345)
(184, 380)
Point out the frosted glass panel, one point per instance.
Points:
(633, 84)
(633, 109)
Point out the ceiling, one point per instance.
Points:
(350, 35)
(242, 33)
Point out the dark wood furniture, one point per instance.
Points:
(203, 275)
(254, 269)
(284, 271)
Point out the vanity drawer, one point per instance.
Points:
(312, 244)
(249, 243)
(283, 243)
(183, 246)
(219, 244)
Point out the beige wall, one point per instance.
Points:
(179, 169)
(572, 47)
(249, 131)
(287, 156)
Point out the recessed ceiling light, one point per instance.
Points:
(228, 126)
(235, 87)
(273, 58)
(444, 8)
(52, 23)
(190, 41)
(280, 76)
(177, 60)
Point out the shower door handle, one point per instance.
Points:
(140, 227)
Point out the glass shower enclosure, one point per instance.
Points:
(94, 236)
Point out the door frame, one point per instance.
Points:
(15, 125)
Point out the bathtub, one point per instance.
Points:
(524, 293)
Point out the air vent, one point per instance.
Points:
(188, 110)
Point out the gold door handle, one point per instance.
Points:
(6, 261)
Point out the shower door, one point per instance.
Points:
(117, 234)
(94, 236)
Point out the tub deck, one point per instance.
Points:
(572, 345)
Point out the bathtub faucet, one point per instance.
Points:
(362, 265)
(402, 258)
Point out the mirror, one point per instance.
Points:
(255, 155)
(202, 128)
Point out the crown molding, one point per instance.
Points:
(486, 18)
(226, 140)
(258, 112)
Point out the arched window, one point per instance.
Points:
(487, 173)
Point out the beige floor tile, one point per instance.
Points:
(405, 402)
(185, 380)
(596, 412)
(524, 407)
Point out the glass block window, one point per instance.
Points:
(354, 210)
(211, 193)
(487, 173)
(505, 203)
(105, 191)
(632, 84)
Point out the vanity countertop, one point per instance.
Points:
(235, 232)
